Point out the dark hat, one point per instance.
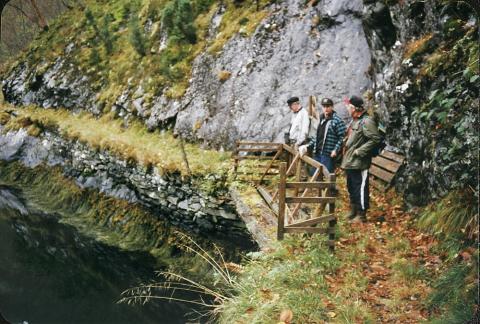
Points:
(356, 101)
(292, 100)
(327, 102)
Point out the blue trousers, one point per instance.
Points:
(357, 185)
(327, 161)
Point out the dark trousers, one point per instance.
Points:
(357, 185)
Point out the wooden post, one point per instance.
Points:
(235, 162)
(298, 175)
(331, 207)
(287, 172)
(281, 200)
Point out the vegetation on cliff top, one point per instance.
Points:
(147, 44)
(157, 149)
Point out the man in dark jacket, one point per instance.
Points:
(362, 137)
(330, 134)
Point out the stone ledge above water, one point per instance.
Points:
(166, 195)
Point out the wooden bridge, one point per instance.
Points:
(298, 189)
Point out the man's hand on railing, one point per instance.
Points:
(302, 150)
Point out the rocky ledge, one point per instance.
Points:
(177, 200)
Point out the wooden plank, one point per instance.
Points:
(250, 172)
(257, 149)
(298, 176)
(253, 157)
(306, 159)
(312, 162)
(268, 199)
(259, 143)
(289, 149)
(331, 209)
(382, 174)
(281, 200)
(288, 171)
(305, 230)
(311, 185)
(309, 200)
(393, 156)
(319, 210)
(313, 178)
(386, 164)
(313, 221)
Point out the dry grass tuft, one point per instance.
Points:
(416, 45)
(224, 75)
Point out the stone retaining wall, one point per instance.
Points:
(179, 201)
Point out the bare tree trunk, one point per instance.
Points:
(42, 22)
(3, 3)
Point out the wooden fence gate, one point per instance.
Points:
(290, 181)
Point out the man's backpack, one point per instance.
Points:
(382, 144)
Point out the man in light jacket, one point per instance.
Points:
(300, 123)
(362, 137)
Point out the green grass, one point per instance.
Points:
(290, 277)
(455, 294)
(409, 271)
(299, 274)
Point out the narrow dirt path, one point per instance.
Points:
(390, 259)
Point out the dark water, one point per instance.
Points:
(51, 273)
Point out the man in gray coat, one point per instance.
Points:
(362, 137)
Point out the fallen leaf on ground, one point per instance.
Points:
(286, 316)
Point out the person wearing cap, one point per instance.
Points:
(300, 123)
(362, 137)
(328, 141)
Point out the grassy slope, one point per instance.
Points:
(135, 143)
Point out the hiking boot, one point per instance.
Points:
(361, 216)
(353, 211)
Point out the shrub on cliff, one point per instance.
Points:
(177, 19)
(137, 39)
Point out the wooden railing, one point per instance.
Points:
(298, 189)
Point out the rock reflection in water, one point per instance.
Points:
(51, 273)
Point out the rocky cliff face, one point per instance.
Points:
(166, 196)
(426, 89)
(298, 50)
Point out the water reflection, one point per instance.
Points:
(51, 273)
